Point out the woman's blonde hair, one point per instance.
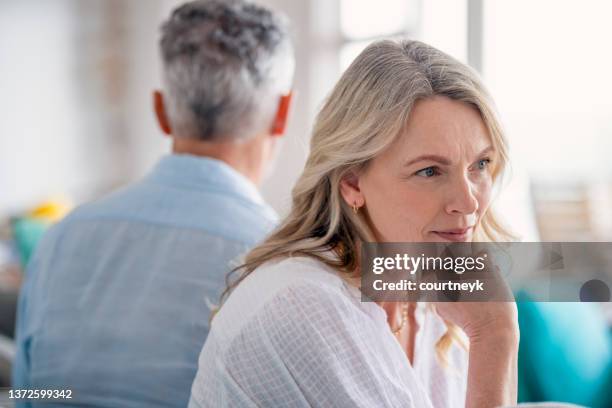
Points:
(365, 112)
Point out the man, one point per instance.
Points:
(117, 298)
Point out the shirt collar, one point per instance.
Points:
(198, 172)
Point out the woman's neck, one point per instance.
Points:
(401, 317)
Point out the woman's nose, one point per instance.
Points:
(462, 197)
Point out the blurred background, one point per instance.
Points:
(77, 121)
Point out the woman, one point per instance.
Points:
(407, 148)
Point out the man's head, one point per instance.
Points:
(227, 67)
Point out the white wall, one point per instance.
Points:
(146, 142)
(76, 81)
(37, 101)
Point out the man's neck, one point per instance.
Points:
(245, 157)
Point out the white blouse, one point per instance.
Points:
(294, 334)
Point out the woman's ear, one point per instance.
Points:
(349, 188)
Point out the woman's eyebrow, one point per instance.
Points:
(441, 159)
(431, 157)
(485, 151)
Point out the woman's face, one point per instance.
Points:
(434, 182)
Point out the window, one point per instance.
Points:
(547, 67)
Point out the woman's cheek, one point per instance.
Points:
(415, 217)
(484, 198)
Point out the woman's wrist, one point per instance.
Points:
(502, 335)
(493, 371)
(497, 326)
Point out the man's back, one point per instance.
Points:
(116, 302)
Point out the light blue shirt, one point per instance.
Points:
(115, 302)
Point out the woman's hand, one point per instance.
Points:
(482, 320)
(492, 328)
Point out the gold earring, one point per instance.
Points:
(355, 209)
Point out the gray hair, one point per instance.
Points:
(225, 64)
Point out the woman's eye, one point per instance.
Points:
(482, 164)
(428, 172)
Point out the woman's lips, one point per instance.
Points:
(455, 235)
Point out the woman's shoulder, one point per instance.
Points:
(296, 278)
(278, 275)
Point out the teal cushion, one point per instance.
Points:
(565, 353)
(26, 233)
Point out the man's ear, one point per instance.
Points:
(282, 113)
(160, 112)
(350, 190)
